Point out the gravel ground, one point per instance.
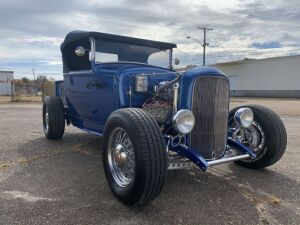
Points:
(62, 182)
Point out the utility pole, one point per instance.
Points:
(33, 73)
(204, 44)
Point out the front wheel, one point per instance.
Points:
(266, 137)
(134, 156)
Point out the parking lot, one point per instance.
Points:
(62, 182)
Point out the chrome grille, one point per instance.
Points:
(210, 107)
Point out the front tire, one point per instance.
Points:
(268, 139)
(134, 156)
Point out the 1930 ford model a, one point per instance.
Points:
(152, 118)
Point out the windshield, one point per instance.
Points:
(106, 51)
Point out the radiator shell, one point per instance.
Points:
(210, 105)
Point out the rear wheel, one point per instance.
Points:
(53, 117)
(266, 137)
(134, 156)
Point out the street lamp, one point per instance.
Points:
(204, 44)
(189, 37)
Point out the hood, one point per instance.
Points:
(125, 73)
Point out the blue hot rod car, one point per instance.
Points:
(152, 118)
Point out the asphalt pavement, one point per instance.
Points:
(63, 182)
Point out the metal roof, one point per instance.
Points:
(6, 71)
(245, 60)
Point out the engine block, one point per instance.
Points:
(159, 109)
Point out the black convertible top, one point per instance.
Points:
(71, 62)
(78, 35)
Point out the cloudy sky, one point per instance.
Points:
(32, 30)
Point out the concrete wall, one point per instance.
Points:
(273, 77)
(5, 82)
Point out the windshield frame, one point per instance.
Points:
(92, 55)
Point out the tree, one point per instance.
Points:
(41, 79)
(25, 80)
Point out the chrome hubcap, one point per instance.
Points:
(121, 158)
(253, 137)
(47, 122)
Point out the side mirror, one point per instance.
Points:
(176, 61)
(80, 51)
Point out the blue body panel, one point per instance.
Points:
(92, 95)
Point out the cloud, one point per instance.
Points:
(32, 30)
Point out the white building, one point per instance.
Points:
(6, 77)
(270, 77)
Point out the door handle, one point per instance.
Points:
(97, 84)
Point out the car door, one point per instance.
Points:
(104, 100)
(78, 96)
(90, 97)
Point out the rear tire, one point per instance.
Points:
(53, 117)
(274, 137)
(142, 133)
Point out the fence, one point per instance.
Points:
(26, 90)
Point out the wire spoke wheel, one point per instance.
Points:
(266, 137)
(134, 156)
(252, 137)
(121, 157)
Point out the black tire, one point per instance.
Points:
(275, 140)
(56, 124)
(149, 151)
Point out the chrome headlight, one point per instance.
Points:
(141, 83)
(244, 117)
(184, 121)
